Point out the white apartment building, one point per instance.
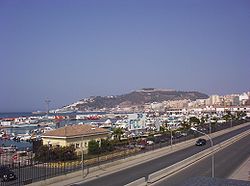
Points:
(213, 100)
(197, 103)
(178, 104)
(243, 98)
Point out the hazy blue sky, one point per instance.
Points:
(68, 50)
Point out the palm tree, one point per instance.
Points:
(117, 132)
(186, 125)
(194, 120)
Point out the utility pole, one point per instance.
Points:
(82, 159)
(171, 138)
(231, 121)
(210, 124)
(210, 127)
(47, 101)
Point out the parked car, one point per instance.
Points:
(201, 142)
(184, 134)
(130, 146)
(150, 142)
(140, 146)
(6, 174)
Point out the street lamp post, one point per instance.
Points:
(212, 145)
(48, 159)
(210, 127)
(171, 136)
(82, 159)
(231, 121)
(210, 124)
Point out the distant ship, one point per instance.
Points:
(39, 112)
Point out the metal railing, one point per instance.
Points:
(28, 170)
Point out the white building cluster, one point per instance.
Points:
(226, 100)
(232, 100)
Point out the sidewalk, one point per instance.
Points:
(243, 172)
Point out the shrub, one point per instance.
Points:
(46, 153)
(93, 147)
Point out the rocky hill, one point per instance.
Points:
(135, 98)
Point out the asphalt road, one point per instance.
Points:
(143, 170)
(226, 161)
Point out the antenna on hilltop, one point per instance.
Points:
(47, 101)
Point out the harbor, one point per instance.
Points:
(21, 129)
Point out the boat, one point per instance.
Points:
(46, 129)
(39, 112)
(24, 137)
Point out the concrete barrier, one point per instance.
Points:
(156, 176)
(139, 182)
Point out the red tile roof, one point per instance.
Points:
(76, 130)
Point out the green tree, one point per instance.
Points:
(93, 147)
(107, 145)
(240, 114)
(117, 132)
(203, 119)
(194, 120)
(69, 152)
(151, 138)
(228, 116)
(185, 125)
(42, 153)
(162, 129)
